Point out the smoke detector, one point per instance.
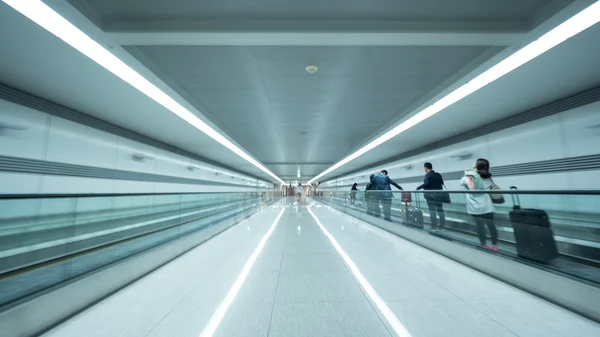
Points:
(312, 69)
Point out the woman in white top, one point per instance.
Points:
(299, 192)
(479, 205)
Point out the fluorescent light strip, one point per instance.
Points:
(46, 17)
(573, 26)
(379, 302)
(218, 315)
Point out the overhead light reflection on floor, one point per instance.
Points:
(369, 290)
(218, 315)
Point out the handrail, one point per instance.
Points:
(538, 192)
(92, 195)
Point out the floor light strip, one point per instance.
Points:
(46, 17)
(218, 315)
(573, 26)
(379, 302)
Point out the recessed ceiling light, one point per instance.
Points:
(571, 27)
(312, 69)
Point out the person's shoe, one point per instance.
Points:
(493, 248)
(388, 219)
(434, 230)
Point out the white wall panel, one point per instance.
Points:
(126, 186)
(125, 158)
(31, 134)
(536, 141)
(20, 183)
(23, 131)
(70, 185)
(74, 143)
(581, 128)
(167, 163)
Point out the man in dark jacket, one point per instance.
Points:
(382, 184)
(434, 181)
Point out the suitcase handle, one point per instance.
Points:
(515, 198)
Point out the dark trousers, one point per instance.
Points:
(436, 208)
(487, 220)
(386, 203)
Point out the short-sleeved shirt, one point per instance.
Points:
(478, 203)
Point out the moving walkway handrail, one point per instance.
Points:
(90, 195)
(533, 192)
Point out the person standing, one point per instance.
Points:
(370, 198)
(353, 191)
(480, 205)
(382, 184)
(299, 192)
(434, 181)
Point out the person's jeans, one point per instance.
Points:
(487, 220)
(370, 205)
(436, 208)
(375, 207)
(386, 202)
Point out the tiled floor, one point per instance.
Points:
(301, 286)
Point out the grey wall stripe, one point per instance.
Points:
(568, 103)
(34, 166)
(591, 162)
(33, 102)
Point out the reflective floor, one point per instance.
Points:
(308, 270)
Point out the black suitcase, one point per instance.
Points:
(535, 239)
(414, 215)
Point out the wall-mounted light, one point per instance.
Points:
(462, 155)
(140, 157)
(193, 168)
(593, 126)
(12, 127)
(408, 167)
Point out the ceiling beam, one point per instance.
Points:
(315, 39)
(186, 33)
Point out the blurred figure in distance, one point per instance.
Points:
(353, 191)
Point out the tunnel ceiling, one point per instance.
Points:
(242, 65)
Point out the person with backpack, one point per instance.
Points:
(480, 205)
(434, 181)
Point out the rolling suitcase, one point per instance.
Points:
(414, 215)
(535, 239)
